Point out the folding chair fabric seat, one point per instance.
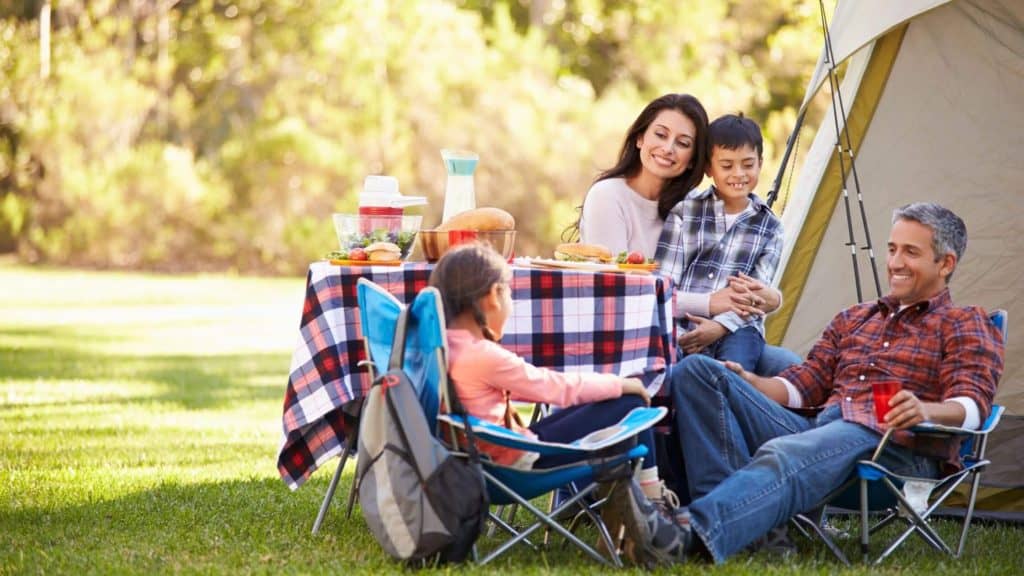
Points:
(532, 483)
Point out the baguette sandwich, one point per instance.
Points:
(581, 252)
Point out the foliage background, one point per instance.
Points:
(221, 134)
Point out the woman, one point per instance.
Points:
(662, 158)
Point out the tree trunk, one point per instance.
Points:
(44, 39)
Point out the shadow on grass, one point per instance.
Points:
(191, 381)
(220, 527)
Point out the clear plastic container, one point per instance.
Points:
(459, 193)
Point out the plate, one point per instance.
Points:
(338, 262)
(566, 264)
(648, 267)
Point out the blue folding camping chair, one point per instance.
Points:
(378, 314)
(426, 365)
(873, 488)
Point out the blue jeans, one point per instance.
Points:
(775, 359)
(743, 346)
(575, 422)
(752, 464)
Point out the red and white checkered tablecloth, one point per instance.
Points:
(562, 319)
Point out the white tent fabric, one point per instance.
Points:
(850, 30)
(934, 93)
(948, 127)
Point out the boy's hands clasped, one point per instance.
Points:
(746, 296)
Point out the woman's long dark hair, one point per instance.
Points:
(629, 157)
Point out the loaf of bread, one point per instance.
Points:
(481, 219)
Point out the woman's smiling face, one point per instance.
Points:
(666, 147)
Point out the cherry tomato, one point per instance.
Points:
(635, 258)
(357, 254)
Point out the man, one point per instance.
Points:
(752, 464)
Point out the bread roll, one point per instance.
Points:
(582, 252)
(383, 252)
(481, 219)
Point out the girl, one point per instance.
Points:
(474, 284)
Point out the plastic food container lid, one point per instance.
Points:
(383, 191)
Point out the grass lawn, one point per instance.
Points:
(139, 426)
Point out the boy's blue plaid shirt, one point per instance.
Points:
(697, 252)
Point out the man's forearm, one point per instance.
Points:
(946, 413)
(770, 387)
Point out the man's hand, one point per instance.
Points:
(636, 387)
(703, 334)
(905, 410)
(770, 387)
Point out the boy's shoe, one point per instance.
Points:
(642, 532)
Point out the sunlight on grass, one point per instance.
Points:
(140, 418)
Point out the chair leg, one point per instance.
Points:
(543, 520)
(918, 523)
(330, 490)
(865, 531)
(352, 497)
(970, 512)
(801, 520)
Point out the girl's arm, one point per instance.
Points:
(524, 381)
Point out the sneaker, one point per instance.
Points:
(641, 531)
(668, 502)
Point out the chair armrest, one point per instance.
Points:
(629, 426)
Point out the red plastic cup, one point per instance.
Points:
(456, 237)
(882, 392)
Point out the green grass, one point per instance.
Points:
(139, 425)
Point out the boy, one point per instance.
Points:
(716, 234)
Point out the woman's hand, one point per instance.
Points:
(635, 387)
(703, 334)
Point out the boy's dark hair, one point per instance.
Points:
(733, 131)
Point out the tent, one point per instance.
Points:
(933, 95)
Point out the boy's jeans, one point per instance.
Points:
(743, 346)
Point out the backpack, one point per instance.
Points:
(420, 501)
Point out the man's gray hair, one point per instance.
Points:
(949, 234)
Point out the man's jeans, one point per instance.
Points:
(752, 464)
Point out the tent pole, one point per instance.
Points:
(773, 194)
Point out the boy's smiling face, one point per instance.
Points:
(735, 173)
